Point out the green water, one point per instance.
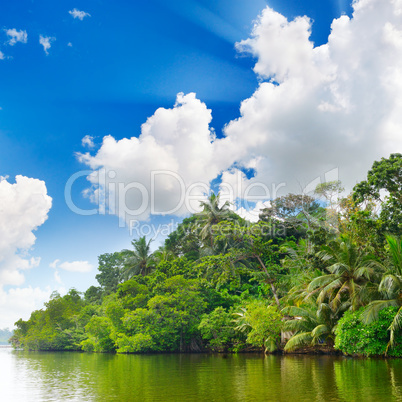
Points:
(36, 376)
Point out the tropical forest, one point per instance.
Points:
(318, 273)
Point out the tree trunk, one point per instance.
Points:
(271, 282)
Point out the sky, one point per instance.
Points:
(116, 118)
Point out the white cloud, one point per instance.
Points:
(252, 214)
(337, 105)
(316, 109)
(57, 277)
(54, 264)
(16, 36)
(2, 57)
(88, 141)
(69, 44)
(46, 41)
(79, 14)
(177, 143)
(16, 303)
(24, 207)
(76, 266)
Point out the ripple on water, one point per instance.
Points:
(58, 376)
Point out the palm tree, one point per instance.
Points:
(351, 271)
(140, 260)
(212, 214)
(390, 288)
(312, 325)
(298, 263)
(163, 255)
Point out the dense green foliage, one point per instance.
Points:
(262, 324)
(59, 327)
(353, 337)
(317, 270)
(217, 330)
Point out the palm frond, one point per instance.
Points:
(370, 313)
(298, 340)
(395, 249)
(321, 281)
(390, 284)
(319, 331)
(396, 325)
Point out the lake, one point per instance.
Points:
(72, 376)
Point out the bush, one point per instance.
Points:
(99, 331)
(261, 323)
(139, 343)
(217, 329)
(353, 337)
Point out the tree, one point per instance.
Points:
(353, 337)
(261, 323)
(350, 271)
(212, 214)
(163, 254)
(110, 271)
(330, 192)
(390, 289)
(361, 224)
(55, 328)
(384, 184)
(93, 295)
(99, 336)
(185, 240)
(139, 261)
(217, 329)
(294, 212)
(170, 320)
(311, 324)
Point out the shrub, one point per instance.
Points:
(353, 337)
(139, 343)
(217, 329)
(262, 324)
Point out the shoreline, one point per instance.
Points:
(224, 354)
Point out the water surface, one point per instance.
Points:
(58, 376)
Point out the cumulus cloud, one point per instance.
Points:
(46, 41)
(2, 57)
(316, 111)
(16, 36)
(75, 266)
(78, 14)
(17, 303)
(88, 141)
(318, 108)
(173, 154)
(252, 214)
(24, 206)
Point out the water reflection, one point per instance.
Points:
(36, 376)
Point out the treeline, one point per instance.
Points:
(5, 335)
(314, 273)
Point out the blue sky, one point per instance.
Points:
(107, 72)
